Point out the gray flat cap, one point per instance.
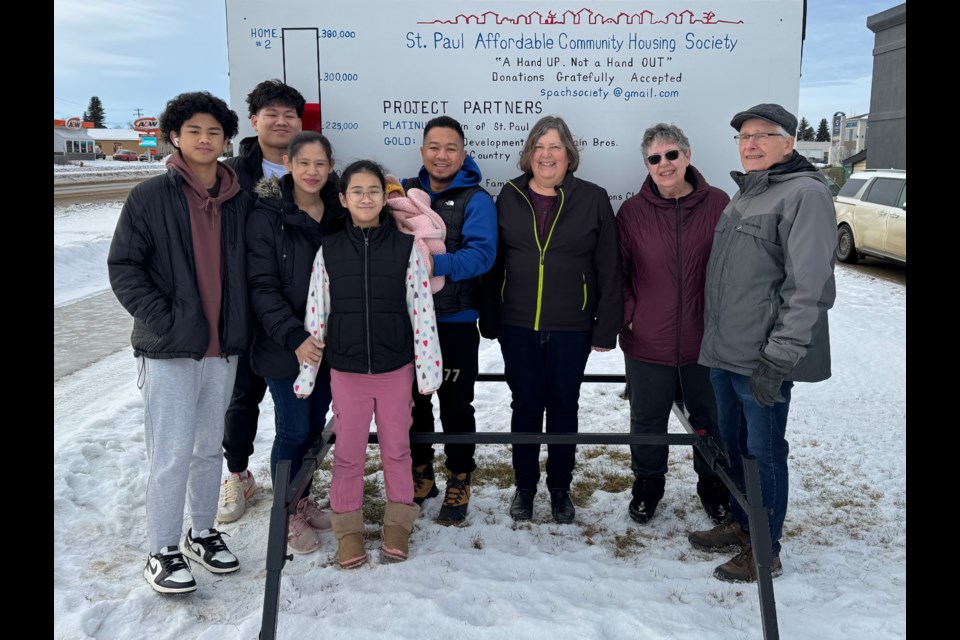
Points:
(771, 112)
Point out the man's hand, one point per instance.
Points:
(766, 380)
(310, 351)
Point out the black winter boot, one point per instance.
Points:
(561, 506)
(714, 497)
(521, 507)
(647, 493)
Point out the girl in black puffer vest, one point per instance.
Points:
(371, 308)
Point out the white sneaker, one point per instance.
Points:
(233, 496)
(209, 550)
(168, 572)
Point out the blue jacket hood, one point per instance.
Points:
(468, 176)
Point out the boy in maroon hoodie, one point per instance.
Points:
(177, 264)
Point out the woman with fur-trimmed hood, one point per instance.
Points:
(293, 214)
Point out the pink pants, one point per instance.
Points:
(358, 397)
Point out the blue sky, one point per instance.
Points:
(135, 56)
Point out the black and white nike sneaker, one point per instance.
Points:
(168, 572)
(209, 550)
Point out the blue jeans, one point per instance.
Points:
(544, 370)
(299, 420)
(749, 429)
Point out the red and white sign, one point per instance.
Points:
(74, 123)
(146, 124)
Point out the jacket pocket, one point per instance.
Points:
(762, 228)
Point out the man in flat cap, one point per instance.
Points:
(769, 285)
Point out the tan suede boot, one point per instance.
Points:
(348, 527)
(398, 522)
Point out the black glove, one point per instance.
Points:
(766, 380)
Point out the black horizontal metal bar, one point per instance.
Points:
(587, 377)
(549, 438)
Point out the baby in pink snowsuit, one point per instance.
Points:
(413, 215)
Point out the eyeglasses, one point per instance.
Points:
(357, 195)
(671, 155)
(757, 137)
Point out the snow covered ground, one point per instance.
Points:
(603, 577)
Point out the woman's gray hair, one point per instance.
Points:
(664, 133)
(540, 129)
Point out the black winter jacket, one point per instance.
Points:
(282, 242)
(153, 273)
(248, 164)
(568, 281)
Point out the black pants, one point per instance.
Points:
(653, 388)
(240, 420)
(544, 370)
(459, 346)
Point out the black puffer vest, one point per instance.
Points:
(369, 330)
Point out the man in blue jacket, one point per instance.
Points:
(769, 286)
(452, 179)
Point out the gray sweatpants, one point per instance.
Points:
(183, 406)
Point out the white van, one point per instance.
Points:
(872, 216)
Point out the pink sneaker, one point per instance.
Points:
(301, 538)
(315, 517)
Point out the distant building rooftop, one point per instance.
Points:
(860, 156)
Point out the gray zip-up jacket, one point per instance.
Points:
(770, 275)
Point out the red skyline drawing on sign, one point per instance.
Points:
(585, 16)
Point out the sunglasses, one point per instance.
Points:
(671, 155)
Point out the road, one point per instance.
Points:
(88, 330)
(879, 269)
(93, 328)
(93, 191)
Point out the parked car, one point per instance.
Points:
(125, 155)
(100, 155)
(872, 216)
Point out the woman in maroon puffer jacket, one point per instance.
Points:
(665, 234)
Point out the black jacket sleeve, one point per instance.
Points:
(606, 263)
(490, 284)
(139, 288)
(270, 307)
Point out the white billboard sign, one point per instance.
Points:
(380, 69)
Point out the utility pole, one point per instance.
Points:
(138, 112)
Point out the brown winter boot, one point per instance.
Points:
(743, 568)
(398, 522)
(456, 501)
(727, 536)
(348, 527)
(424, 483)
